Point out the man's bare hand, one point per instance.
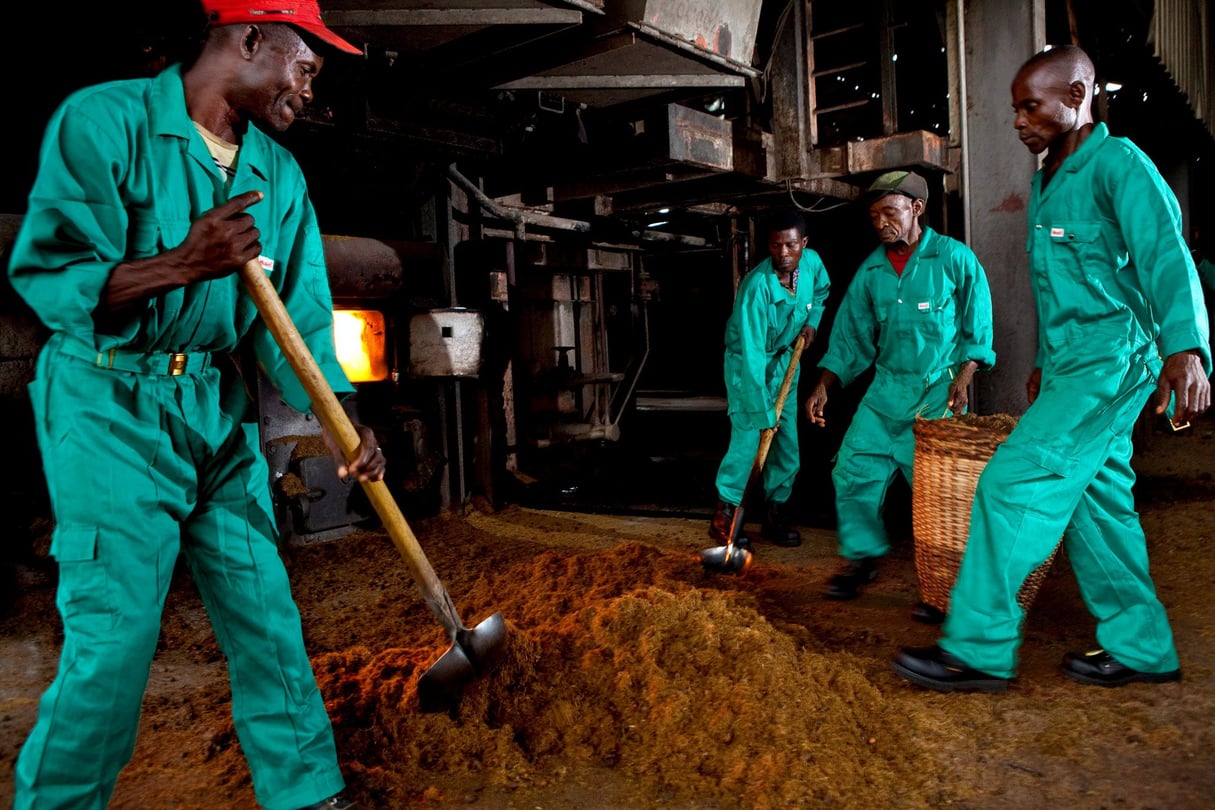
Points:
(808, 333)
(816, 405)
(959, 389)
(368, 463)
(1185, 379)
(221, 240)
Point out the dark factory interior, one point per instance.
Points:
(542, 210)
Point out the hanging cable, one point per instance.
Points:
(813, 208)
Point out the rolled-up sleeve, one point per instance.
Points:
(974, 312)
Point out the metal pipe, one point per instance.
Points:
(645, 355)
(675, 238)
(521, 219)
(963, 127)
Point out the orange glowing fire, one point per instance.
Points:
(359, 336)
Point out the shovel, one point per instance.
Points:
(472, 651)
(730, 559)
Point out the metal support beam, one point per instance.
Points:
(890, 99)
(701, 53)
(789, 80)
(631, 81)
(479, 17)
(918, 148)
(995, 38)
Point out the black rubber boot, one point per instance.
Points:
(719, 528)
(927, 614)
(847, 584)
(776, 527)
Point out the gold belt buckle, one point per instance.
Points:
(177, 364)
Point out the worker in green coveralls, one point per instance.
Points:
(1203, 262)
(150, 195)
(918, 309)
(1115, 290)
(778, 301)
(1201, 253)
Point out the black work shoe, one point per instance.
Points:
(1099, 668)
(848, 583)
(338, 802)
(776, 527)
(936, 669)
(719, 527)
(927, 614)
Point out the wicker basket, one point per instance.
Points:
(950, 454)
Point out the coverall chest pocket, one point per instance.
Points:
(143, 236)
(173, 232)
(881, 318)
(166, 234)
(1075, 245)
(148, 235)
(931, 315)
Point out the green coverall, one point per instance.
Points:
(916, 328)
(141, 465)
(1206, 272)
(1112, 280)
(765, 323)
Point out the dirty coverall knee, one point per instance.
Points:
(780, 467)
(145, 467)
(874, 449)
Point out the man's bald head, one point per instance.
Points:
(1052, 95)
(1064, 64)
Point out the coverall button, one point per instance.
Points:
(1038, 227)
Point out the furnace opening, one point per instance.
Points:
(361, 346)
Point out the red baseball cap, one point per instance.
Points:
(303, 14)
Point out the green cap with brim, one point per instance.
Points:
(900, 182)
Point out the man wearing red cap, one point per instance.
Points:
(150, 194)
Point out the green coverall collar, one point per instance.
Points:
(929, 245)
(1076, 160)
(781, 294)
(168, 117)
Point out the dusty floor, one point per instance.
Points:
(633, 679)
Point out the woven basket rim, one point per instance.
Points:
(951, 425)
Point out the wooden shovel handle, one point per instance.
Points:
(329, 411)
(765, 440)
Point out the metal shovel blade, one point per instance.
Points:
(440, 687)
(726, 559)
